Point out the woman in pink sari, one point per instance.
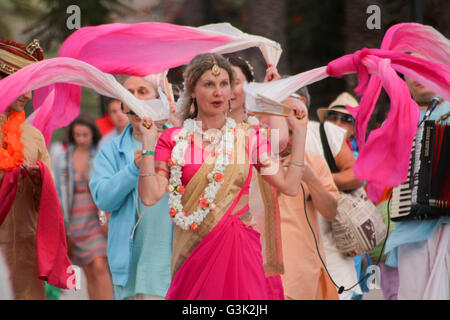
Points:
(206, 167)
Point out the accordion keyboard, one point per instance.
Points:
(401, 195)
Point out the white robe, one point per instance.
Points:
(424, 267)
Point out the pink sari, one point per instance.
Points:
(223, 259)
(226, 265)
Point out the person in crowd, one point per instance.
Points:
(243, 71)
(305, 278)
(139, 236)
(87, 241)
(421, 249)
(217, 251)
(22, 146)
(259, 188)
(338, 114)
(341, 268)
(118, 119)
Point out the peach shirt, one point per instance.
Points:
(305, 278)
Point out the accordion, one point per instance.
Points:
(426, 192)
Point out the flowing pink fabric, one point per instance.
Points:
(61, 71)
(8, 191)
(153, 47)
(51, 245)
(129, 49)
(384, 157)
(381, 158)
(418, 38)
(226, 265)
(50, 71)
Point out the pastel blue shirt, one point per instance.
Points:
(414, 231)
(151, 255)
(113, 187)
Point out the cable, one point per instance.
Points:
(342, 288)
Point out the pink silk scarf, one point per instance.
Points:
(61, 71)
(154, 47)
(8, 191)
(384, 156)
(383, 159)
(139, 50)
(51, 245)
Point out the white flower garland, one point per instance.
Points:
(176, 190)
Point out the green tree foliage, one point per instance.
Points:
(12, 11)
(50, 27)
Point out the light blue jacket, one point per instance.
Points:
(114, 188)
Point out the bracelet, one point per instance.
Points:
(167, 126)
(297, 164)
(102, 218)
(148, 152)
(147, 174)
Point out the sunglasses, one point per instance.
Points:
(130, 113)
(334, 116)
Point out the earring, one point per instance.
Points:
(195, 111)
(229, 106)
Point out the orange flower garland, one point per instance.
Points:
(12, 155)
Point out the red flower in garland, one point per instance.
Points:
(203, 203)
(172, 212)
(218, 177)
(181, 189)
(194, 226)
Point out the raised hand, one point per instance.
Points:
(147, 127)
(298, 118)
(149, 131)
(33, 170)
(271, 74)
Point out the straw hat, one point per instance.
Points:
(338, 105)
